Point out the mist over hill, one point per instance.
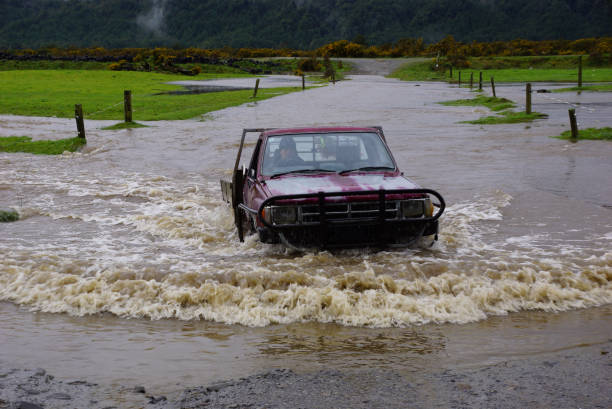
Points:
(301, 24)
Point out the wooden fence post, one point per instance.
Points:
(127, 105)
(256, 88)
(480, 81)
(580, 72)
(459, 79)
(78, 115)
(303, 82)
(573, 124)
(528, 99)
(451, 71)
(493, 86)
(471, 80)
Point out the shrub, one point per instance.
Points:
(309, 64)
(195, 70)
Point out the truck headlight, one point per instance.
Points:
(284, 215)
(267, 214)
(412, 208)
(429, 207)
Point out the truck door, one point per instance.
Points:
(250, 185)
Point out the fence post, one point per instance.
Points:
(459, 79)
(493, 86)
(480, 81)
(127, 105)
(303, 82)
(451, 71)
(580, 72)
(528, 99)
(78, 115)
(573, 124)
(471, 80)
(256, 88)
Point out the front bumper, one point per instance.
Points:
(378, 225)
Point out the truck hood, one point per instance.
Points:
(329, 183)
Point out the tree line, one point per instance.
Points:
(454, 51)
(294, 24)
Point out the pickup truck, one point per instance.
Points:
(328, 187)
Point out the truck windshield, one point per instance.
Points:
(342, 151)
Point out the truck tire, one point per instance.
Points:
(237, 186)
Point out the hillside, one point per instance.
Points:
(301, 24)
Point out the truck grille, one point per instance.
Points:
(351, 211)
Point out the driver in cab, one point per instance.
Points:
(287, 153)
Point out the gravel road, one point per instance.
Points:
(378, 66)
(572, 378)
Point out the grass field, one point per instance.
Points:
(54, 92)
(284, 65)
(510, 69)
(602, 134)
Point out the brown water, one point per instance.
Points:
(125, 267)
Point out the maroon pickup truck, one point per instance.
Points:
(328, 187)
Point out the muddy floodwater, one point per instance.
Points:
(125, 267)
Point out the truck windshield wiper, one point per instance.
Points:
(343, 172)
(302, 171)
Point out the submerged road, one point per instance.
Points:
(125, 269)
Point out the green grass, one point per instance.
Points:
(537, 75)
(602, 134)
(55, 92)
(46, 147)
(509, 69)
(493, 103)
(595, 88)
(124, 125)
(500, 105)
(242, 65)
(534, 62)
(507, 117)
(419, 71)
(8, 215)
(10, 65)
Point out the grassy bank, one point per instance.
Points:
(507, 117)
(500, 105)
(601, 134)
(595, 88)
(55, 92)
(8, 215)
(493, 103)
(508, 69)
(25, 144)
(124, 125)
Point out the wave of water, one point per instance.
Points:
(141, 246)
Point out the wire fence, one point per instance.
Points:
(117, 104)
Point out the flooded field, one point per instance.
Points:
(126, 268)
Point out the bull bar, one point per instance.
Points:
(379, 220)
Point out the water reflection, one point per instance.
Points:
(325, 341)
(107, 349)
